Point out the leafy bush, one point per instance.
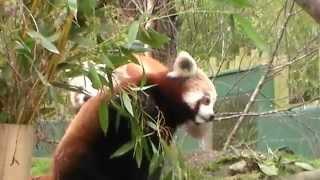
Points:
(45, 43)
(40, 166)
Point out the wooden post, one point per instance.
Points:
(16, 144)
(281, 86)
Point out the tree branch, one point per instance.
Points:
(260, 83)
(312, 7)
(231, 115)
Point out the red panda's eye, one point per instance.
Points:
(205, 100)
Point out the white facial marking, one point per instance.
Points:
(78, 99)
(205, 111)
(191, 98)
(85, 83)
(199, 119)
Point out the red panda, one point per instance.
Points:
(41, 178)
(183, 95)
(77, 99)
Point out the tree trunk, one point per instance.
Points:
(16, 144)
(312, 7)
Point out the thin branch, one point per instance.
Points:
(231, 115)
(9, 57)
(33, 19)
(260, 83)
(312, 7)
(295, 60)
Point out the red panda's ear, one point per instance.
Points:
(133, 73)
(127, 74)
(184, 66)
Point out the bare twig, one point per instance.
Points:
(231, 115)
(295, 60)
(260, 83)
(312, 7)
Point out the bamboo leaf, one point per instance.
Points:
(153, 38)
(239, 3)
(143, 88)
(138, 153)
(29, 61)
(154, 163)
(94, 77)
(87, 7)
(246, 27)
(269, 170)
(73, 7)
(118, 60)
(304, 166)
(127, 103)
(123, 149)
(137, 46)
(43, 41)
(133, 32)
(107, 62)
(104, 117)
(236, 3)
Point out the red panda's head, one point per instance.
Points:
(186, 89)
(197, 90)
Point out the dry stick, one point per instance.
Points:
(231, 115)
(260, 83)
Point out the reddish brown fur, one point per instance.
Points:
(82, 151)
(42, 178)
(84, 127)
(79, 135)
(76, 139)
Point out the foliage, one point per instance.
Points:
(213, 29)
(248, 164)
(45, 43)
(144, 129)
(282, 163)
(304, 80)
(40, 166)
